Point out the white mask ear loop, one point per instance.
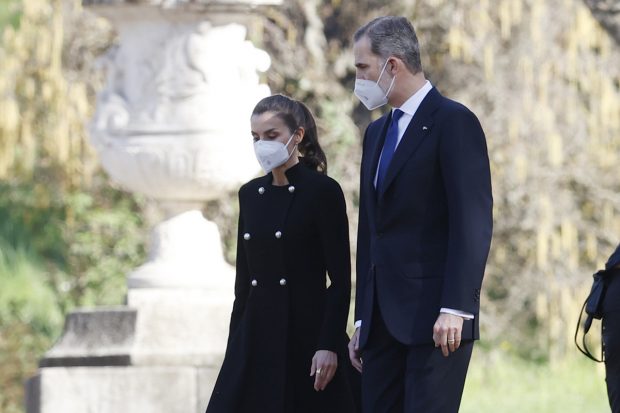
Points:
(390, 88)
(391, 83)
(289, 140)
(382, 70)
(286, 146)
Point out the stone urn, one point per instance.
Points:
(173, 124)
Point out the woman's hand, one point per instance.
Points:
(324, 365)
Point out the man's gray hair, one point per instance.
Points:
(392, 36)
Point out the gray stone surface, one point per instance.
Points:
(101, 337)
(180, 326)
(115, 389)
(206, 382)
(159, 354)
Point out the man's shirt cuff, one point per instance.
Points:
(464, 314)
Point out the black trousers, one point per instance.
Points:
(611, 342)
(397, 378)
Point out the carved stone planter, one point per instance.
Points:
(173, 124)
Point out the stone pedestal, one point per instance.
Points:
(160, 353)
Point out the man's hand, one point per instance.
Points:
(324, 365)
(447, 332)
(354, 350)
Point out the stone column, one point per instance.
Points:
(172, 124)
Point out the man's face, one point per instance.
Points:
(367, 65)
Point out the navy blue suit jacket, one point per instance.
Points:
(423, 241)
(614, 259)
(611, 303)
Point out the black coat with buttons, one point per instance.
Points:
(289, 239)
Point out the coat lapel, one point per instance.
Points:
(419, 127)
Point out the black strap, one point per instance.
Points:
(586, 327)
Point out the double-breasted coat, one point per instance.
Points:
(289, 238)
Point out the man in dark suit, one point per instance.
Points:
(611, 330)
(424, 233)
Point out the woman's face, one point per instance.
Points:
(270, 127)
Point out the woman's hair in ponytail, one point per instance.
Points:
(295, 114)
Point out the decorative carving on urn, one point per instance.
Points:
(198, 85)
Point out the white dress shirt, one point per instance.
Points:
(409, 108)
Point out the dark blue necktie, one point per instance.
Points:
(389, 146)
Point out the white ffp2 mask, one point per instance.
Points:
(271, 154)
(370, 93)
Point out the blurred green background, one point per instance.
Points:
(542, 75)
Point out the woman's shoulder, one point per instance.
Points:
(252, 185)
(327, 188)
(322, 180)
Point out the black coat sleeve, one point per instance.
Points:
(242, 277)
(334, 234)
(467, 181)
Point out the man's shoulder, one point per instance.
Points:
(454, 112)
(614, 259)
(450, 106)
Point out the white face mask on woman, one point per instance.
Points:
(370, 93)
(271, 154)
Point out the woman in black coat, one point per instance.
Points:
(287, 345)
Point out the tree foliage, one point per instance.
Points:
(67, 238)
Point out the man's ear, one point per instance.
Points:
(395, 65)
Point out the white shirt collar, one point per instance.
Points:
(413, 103)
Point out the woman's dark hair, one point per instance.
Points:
(295, 114)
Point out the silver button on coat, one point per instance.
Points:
(247, 236)
(254, 283)
(278, 234)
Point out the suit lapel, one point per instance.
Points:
(375, 145)
(419, 127)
